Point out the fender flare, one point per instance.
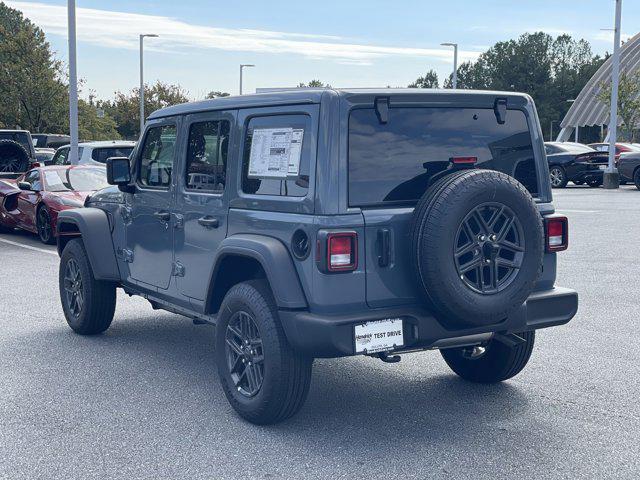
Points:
(276, 261)
(93, 226)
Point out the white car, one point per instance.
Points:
(95, 153)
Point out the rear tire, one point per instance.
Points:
(263, 378)
(499, 361)
(636, 178)
(558, 177)
(88, 304)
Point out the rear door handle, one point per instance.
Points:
(163, 216)
(209, 222)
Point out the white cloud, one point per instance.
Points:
(607, 36)
(120, 30)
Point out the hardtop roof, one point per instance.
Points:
(298, 96)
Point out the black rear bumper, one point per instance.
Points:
(588, 175)
(332, 336)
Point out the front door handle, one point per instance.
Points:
(209, 222)
(163, 216)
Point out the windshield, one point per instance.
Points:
(21, 137)
(75, 179)
(395, 161)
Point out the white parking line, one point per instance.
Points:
(29, 247)
(563, 210)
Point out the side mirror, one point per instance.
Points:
(24, 186)
(118, 172)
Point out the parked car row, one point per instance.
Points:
(585, 164)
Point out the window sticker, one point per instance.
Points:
(275, 153)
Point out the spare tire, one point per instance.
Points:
(477, 246)
(14, 158)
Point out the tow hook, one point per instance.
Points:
(384, 356)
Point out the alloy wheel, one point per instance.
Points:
(245, 355)
(73, 288)
(489, 248)
(557, 177)
(44, 225)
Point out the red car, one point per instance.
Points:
(32, 201)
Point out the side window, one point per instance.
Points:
(156, 160)
(277, 154)
(207, 156)
(60, 157)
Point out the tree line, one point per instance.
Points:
(34, 84)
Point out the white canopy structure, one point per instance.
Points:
(587, 110)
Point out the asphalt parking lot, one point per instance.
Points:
(143, 400)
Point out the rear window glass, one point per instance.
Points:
(101, 154)
(394, 162)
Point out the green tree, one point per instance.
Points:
(216, 94)
(430, 80)
(32, 87)
(314, 84)
(628, 103)
(93, 127)
(125, 107)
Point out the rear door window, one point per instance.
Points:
(277, 155)
(207, 156)
(394, 162)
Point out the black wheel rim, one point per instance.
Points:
(245, 356)
(489, 248)
(556, 177)
(73, 288)
(10, 164)
(44, 225)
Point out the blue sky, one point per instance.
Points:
(369, 43)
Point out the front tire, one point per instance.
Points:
(558, 177)
(498, 361)
(263, 378)
(43, 223)
(88, 304)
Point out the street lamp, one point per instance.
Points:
(611, 179)
(142, 36)
(73, 84)
(455, 62)
(241, 67)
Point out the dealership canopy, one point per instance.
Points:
(587, 109)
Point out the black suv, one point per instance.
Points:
(328, 223)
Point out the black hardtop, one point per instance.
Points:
(314, 95)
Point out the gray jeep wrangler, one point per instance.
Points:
(329, 223)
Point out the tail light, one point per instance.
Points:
(556, 233)
(337, 251)
(464, 160)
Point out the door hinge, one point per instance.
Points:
(178, 221)
(177, 270)
(127, 255)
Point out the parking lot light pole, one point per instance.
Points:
(241, 67)
(611, 177)
(454, 82)
(142, 78)
(73, 83)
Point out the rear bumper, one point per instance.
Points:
(588, 175)
(332, 336)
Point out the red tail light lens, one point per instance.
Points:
(556, 233)
(464, 160)
(342, 251)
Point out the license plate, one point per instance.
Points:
(379, 336)
(602, 167)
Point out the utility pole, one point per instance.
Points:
(454, 82)
(241, 67)
(142, 78)
(611, 177)
(73, 83)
